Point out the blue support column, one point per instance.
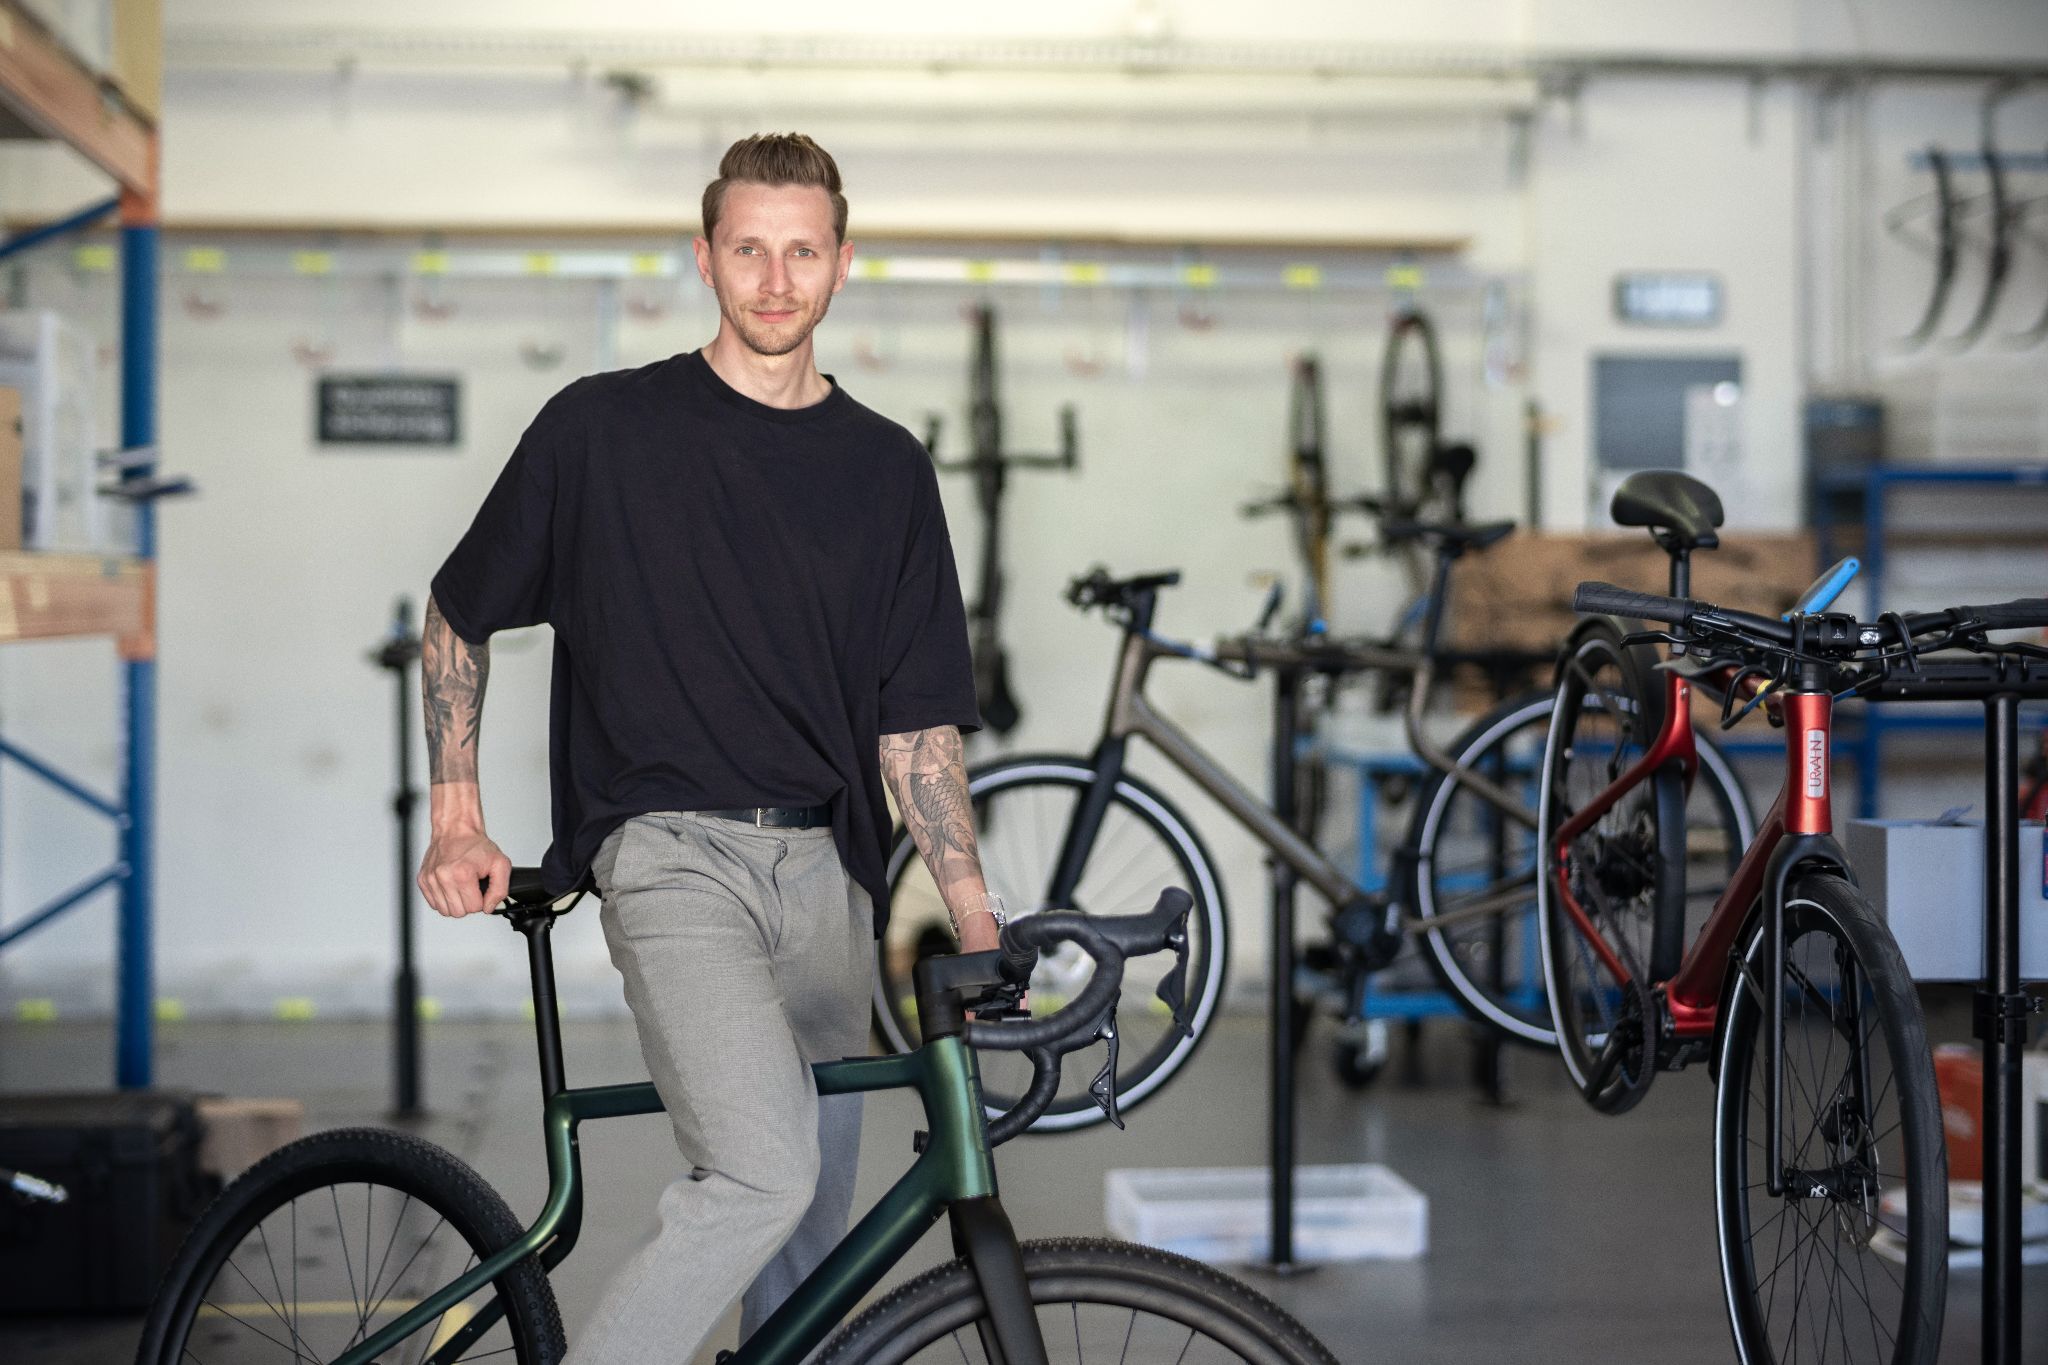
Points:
(134, 1045)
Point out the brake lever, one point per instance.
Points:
(1103, 1088)
(1173, 987)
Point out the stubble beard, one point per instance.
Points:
(773, 341)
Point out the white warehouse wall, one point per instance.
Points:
(274, 847)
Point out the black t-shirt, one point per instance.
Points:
(745, 599)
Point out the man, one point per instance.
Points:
(757, 622)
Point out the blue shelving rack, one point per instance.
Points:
(47, 92)
(1874, 721)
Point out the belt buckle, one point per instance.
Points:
(759, 811)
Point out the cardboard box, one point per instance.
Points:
(238, 1133)
(1519, 593)
(1927, 880)
(10, 469)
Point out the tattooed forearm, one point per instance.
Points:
(452, 676)
(928, 774)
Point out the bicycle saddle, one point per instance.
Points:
(1454, 536)
(525, 888)
(1097, 588)
(1666, 500)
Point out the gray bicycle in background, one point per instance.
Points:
(1074, 831)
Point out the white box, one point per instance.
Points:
(1223, 1214)
(1927, 880)
(55, 365)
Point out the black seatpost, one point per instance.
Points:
(1681, 579)
(547, 1021)
(1681, 570)
(1439, 594)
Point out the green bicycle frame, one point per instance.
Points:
(956, 1165)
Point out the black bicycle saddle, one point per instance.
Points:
(1456, 537)
(1669, 501)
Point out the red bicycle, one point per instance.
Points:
(1830, 1175)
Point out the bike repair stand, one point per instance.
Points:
(990, 466)
(399, 652)
(2002, 1016)
(1281, 1023)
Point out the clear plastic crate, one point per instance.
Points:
(1221, 1214)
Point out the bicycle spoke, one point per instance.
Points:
(276, 1283)
(235, 1317)
(399, 1278)
(1876, 1326)
(342, 1232)
(385, 1259)
(258, 1292)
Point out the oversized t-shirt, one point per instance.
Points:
(744, 598)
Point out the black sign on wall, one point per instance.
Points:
(389, 410)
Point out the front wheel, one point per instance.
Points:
(1096, 1301)
(1849, 1262)
(328, 1240)
(1022, 808)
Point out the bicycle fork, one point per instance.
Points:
(1808, 842)
(983, 1237)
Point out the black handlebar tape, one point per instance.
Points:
(1138, 935)
(1044, 1088)
(1109, 939)
(1605, 599)
(2022, 613)
(1019, 960)
(1038, 932)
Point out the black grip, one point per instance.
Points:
(1605, 599)
(2022, 613)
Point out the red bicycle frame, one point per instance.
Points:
(1804, 806)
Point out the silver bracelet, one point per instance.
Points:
(987, 902)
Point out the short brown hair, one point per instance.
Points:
(775, 159)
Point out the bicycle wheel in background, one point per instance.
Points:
(1096, 1300)
(331, 1238)
(1308, 482)
(1022, 808)
(1624, 872)
(1850, 1263)
(1471, 878)
(1411, 406)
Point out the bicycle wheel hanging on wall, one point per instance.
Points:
(1411, 405)
(1308, 478)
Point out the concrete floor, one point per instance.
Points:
(1555, 1234)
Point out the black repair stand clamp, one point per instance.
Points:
(399, 652)
(1281, 1029)
(2002, 1016)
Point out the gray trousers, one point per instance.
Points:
(747, 955)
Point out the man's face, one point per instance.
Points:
(774, 264)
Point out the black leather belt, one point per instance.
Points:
(778, 817)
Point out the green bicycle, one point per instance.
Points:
(363, 1245)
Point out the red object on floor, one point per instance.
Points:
(1959, 1079)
